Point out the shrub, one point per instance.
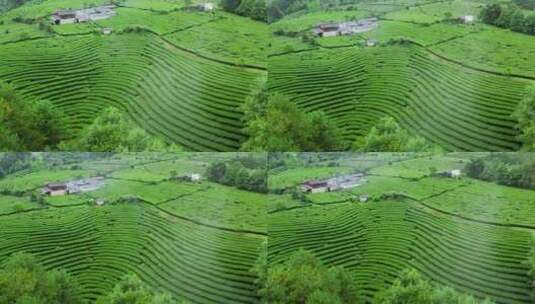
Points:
(24, 278)
(304, 279)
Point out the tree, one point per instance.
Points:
(411, 288)
(525, 116)
(517, 21)
(387, 135)
(112, 131)
(303, 279)
(29, 125)
(23, 280)
(490, 13)
(131, 290)
(475, 168)
(285, 127)
(529, 24)
(505, 18)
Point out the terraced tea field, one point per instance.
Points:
(457, 108)
(99, 245)
(196, 241)
(467, 234)
(453, 81)
(186, 91)
(377, 241)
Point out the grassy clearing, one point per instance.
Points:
(222, 206)
(293, 177)
(307, 21)
(419, 167)
(160, 23)
(10, 204)
(157, 5)
(489, 202)
(239, 39)
(493, 49)
(423, 34)
(435, 12)
(37, 179)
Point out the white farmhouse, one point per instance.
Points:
(468, 18)
(455, 173)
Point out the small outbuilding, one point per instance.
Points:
(363, 198)
(106, 31)
(456, 173)
(64, 17)
(54, 189)
(371, 42)
(468, 18)
(315, 186)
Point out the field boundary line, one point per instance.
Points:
(246, 231)
(229, 63)
(524, 226)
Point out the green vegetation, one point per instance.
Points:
(505, 169)
(525, 114)
(455, 109)
(509, 17)
(29, 125)
(133, 291)
(278, 125)
(177, 240)
(433, 67)
(111, 131)
(410, 287)
(256, 9)
(178, 73)
(461, 236)
(24, 280)
(237, 173)
(388, 136)
(302, 278)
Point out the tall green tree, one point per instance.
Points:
(113, 131)
(518, 21)
(411, 288)
(23, 281)
(388, 136)
(29, 125)
(490, 13)
(131, 290)
(525, 116)
(304, 279)
(285, 127)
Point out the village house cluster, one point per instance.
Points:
(83, 15)
(345, 28)
(334, 183)
(73, 187)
